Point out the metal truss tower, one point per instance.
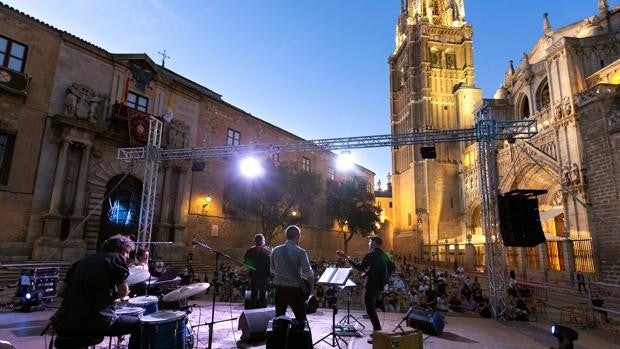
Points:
(485, 132)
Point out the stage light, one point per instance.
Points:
(345, 161)
(28, 295)
(251, 167)
(565, 336)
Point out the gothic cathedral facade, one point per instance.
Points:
(567, 82)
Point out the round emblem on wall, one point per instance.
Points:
(5, 77)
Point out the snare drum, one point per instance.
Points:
(164, 329)
(131, 311)
(148, 303)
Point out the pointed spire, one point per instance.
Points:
(511, 68)
(546, 25)
(603, 8)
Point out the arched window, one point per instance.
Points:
(543, 99)
(524, 108)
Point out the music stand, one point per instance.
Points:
(349, 286)
(334, 277)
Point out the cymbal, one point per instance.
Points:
(186, 292)
(137, 275)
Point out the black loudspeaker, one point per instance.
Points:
(428, 152)
(519, 220)
(253, 323)
(429, 322)
(281, 334)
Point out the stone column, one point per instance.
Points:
(179, 236)
(470, 256)
(544, 260)
(59, 178)
(569, 257)
(78, 207)
(75, 245)
(164, 222)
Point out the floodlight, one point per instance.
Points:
(345, 161)
(251, 167)
(565, 336)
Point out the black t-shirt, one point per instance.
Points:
(91, 288)
(259, 260)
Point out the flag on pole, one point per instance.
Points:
(169, 113)
(125, 91)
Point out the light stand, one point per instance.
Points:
(349, 287)
(217, 256)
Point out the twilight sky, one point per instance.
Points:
(317, 68)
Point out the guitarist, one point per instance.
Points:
(376, 267)
(292, 275)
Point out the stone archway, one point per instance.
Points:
(101, 174)
(120, 208)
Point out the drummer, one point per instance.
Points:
(89, 290)
(141, 263)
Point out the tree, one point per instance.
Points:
(274, 196)
(353, 208)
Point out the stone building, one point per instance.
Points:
(566, 83)
(66, 191)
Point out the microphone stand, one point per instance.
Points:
(217, 256)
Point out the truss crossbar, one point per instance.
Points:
(486, 132)
(487, 129)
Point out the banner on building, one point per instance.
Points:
(138, 127)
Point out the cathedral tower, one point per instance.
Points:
(432, 87)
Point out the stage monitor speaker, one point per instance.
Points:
(519, 220)
(281, 334)
(428, 152)
(253, 323)
(429, 322)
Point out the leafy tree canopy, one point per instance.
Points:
(352, 205)
(274, 196)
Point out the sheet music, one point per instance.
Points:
(335, 276)
(327, 275)
(341, 276)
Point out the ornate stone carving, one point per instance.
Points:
(575, 176)
(178, 134)
(142, 74)
(83, 103)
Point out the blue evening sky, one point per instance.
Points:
(317, 68)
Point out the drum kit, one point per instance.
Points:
(161, 328)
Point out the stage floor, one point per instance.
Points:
(461, 331)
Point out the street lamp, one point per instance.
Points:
(208, 200)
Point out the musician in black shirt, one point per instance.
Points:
(89, 290)
(376, 267)
(257, 257)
